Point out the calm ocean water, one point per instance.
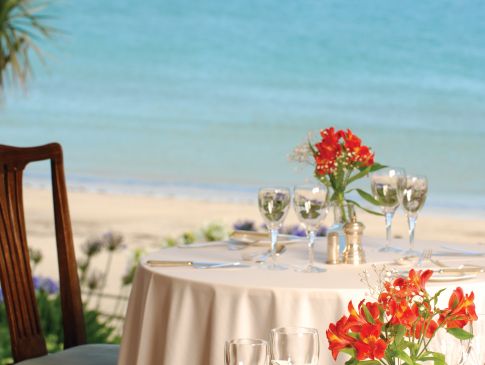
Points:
(183, 96)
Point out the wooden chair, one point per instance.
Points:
(27, 341)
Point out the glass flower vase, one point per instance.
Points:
(342, 214)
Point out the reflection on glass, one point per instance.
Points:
(274, 204)
(294, 346)
(246, 351)
(310, 203)
(387, 187)
(414, 195)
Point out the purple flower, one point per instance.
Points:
(92, 247)
(45, 284)
(244, 225)
(295, 230)
(322, 232)
(113, 241)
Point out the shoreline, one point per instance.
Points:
(467, 206)
(151, 218)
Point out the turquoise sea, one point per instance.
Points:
(209, 97)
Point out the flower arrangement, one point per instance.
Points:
(339, 159)
(397, 328)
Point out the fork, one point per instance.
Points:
(425, 256)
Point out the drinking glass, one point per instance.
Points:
(294, 346)
(413, 198)
(273, 206)
(476, 351)
(387, 187)
(462, 352)
(246, 351)
(310, 203)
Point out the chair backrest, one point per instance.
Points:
(26, 335)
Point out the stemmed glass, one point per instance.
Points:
(387, 187)
(274, 204)
(413, 198)
(294, 346)
(310, 203)
(246, 351)
(463, 352)
(475, 353)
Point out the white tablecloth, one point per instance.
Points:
(183, 316)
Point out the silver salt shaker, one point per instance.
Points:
(354, 252)
(333, 250)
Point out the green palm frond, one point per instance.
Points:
(22, 27)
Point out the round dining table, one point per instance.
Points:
(183, 315)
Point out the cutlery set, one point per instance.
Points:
(240, 240)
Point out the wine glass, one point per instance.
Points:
(413, 198)
(476, 351)
(310, 203)
(294, 346)
(246, 351)
(462, 352)
(387, 187)
(274, 204)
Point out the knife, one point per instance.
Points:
(461, 269)
(195, 264)
(458, 253)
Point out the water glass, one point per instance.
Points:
(246, 351)
(462, 352)
(414, 195)
(387, 187)
(476, 352)
(310, 203)
(294, 346)
(274, 204)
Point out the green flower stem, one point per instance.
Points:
(105, 279)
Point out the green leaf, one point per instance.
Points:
(364, 209)
(349, 351)
(366, 196)
(400, 332)
(368, 362)
(377, 166)
(436, 357)
(403, 356)
(363, 172)
(460, 333)
(351, 362)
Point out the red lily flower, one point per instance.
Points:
(338, 338)
(370, 345)
(328, 150)
(426, 327)
(418, 279)
(358, 318)
(460, 311)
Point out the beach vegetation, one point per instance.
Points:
(23, 27)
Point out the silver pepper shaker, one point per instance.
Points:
(354, 253)
(333, 249)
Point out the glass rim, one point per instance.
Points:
(294, 329)
(387, 168)
(274, 188)
(419, 176)
(247, 341)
